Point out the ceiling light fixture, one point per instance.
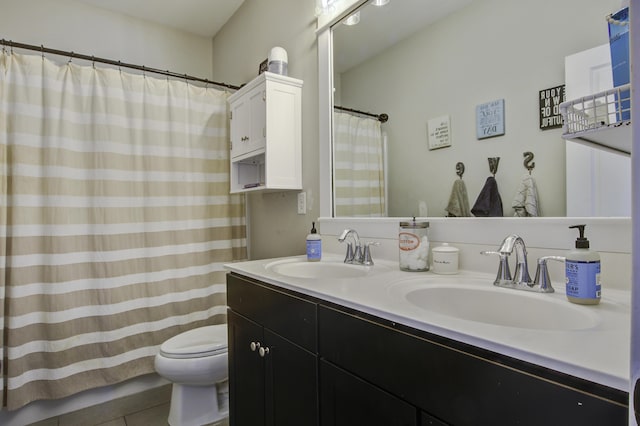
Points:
(380, 2)
(353, 19)
(324, 7)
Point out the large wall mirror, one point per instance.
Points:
(430, 65)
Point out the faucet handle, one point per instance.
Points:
(542, 280)
(504, 274)
(367, 260)
(348, 258)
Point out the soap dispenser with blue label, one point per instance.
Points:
(314, 245)
(582, 272)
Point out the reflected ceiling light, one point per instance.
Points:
(380, 2)
(353, 19)
(324, 7)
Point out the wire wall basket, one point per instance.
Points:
(610, 108)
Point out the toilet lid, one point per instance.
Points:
(196, 343)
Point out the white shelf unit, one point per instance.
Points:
(601, 120)
(266, 135)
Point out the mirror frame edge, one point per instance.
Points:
(325, 99)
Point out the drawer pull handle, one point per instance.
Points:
(254, 345)
(263, 352)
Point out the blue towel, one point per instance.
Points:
(489, 203)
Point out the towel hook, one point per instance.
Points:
(493, 165)
(460, 169)
(529, 164)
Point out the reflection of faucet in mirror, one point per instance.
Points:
(426, 75)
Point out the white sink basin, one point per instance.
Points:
(503, 307)
(325, 269)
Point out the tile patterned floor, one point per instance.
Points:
(150, 408)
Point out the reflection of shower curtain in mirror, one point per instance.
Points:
(359, 186)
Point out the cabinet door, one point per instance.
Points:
(346, 400)
(258, 133)
(428, 420)
(462, 386)
(248, 123)
(291, 383)
(240, 121)
(246, 372)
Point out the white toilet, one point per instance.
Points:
(196, 362)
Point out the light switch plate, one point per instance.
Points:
(302, 203)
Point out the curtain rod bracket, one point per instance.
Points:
(383, 118)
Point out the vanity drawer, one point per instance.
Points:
(458, 385)
(289, 316)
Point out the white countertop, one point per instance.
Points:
(599, 353)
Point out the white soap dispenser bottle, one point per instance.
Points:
(582, 272)
(314, 245)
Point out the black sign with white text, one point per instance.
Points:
(550, 100)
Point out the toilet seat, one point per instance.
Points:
(197, 343)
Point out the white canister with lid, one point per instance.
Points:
(277, 61)
(445, 259)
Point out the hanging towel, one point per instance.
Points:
(458, 200)
(525, 202)
(489, 203)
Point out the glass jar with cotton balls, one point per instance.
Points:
(413, 245)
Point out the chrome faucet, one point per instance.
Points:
(352, 256)
(521, 275)
(355, 253)
(521, 278)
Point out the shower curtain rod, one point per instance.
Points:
(381, 117)
(72, 55)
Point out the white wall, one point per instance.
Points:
(74, 26)
(473, 56)
(275, 227)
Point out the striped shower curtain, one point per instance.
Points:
(116, 220)
(359, 181)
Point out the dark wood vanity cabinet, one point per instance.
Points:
(460, 384)
(346, 399)
(273, 378)
(341, 367)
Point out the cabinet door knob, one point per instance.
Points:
(263, 352)
(254, 345)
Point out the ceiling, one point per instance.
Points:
(201, 17)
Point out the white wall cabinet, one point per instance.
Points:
(592, 168)
(266, 135)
